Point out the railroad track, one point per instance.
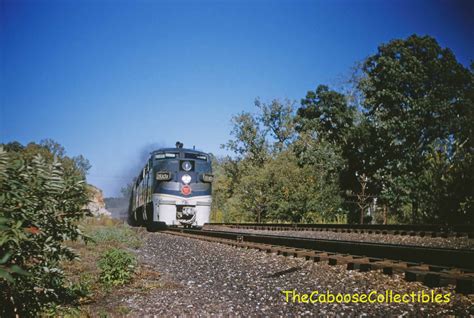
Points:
(432, 266)
(429, 230)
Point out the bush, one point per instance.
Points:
(117, 267)
(40, 204)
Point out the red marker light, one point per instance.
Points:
(186, 190)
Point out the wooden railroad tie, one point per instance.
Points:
(429, 275)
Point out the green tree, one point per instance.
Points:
(328, 116)
(50, 149)
(294, 181)
(249, 201)
(82, 164)
(53, 147)
(303, 184)
(327, 113)
(277, 119)
(416, 95)
(13, 146)
(226, 175)
(249, 140)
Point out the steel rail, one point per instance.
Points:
(457, 258)
(467, 229)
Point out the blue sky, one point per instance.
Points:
(107, 79)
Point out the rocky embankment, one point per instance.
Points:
(97, 203)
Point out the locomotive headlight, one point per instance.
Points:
(186, 166)
(186, 179)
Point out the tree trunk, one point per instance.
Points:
(414, 209)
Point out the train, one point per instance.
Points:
(173, 189)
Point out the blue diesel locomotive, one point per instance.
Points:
(174, 188)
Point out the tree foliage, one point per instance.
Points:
(42, 195)
(277, 120)
(406, 125)
(418, 99)
(249, 141)
(294, 181)
(326, 112)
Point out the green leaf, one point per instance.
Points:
(5, 258)
(5, 275)
(3, 220)
(17, 269)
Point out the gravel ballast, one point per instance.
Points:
(440, 242)
(199, 278)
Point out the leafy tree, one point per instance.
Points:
(53, 147)
(322, 162)
(296, 181)
(50, 149)
(285, 190)
(304, 185)
(405, 124)
(250, 201)
(277, 118)
(249, 142)
(329, 116)
(416, 95)
(82, 164)
(327, 113)
(13, 146)
(225, 177)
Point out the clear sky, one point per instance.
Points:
(107, 79)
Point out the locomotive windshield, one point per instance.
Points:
(187, 155)
(165, 155)
(195, 156)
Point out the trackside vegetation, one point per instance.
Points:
(117, 267)
(42, 197)
(107, 262)
(393, 145)
(54, 257)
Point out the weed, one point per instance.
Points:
(123, 310)
(103, 314)
(117, 267)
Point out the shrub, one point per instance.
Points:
(40, 204)
(117, 267)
